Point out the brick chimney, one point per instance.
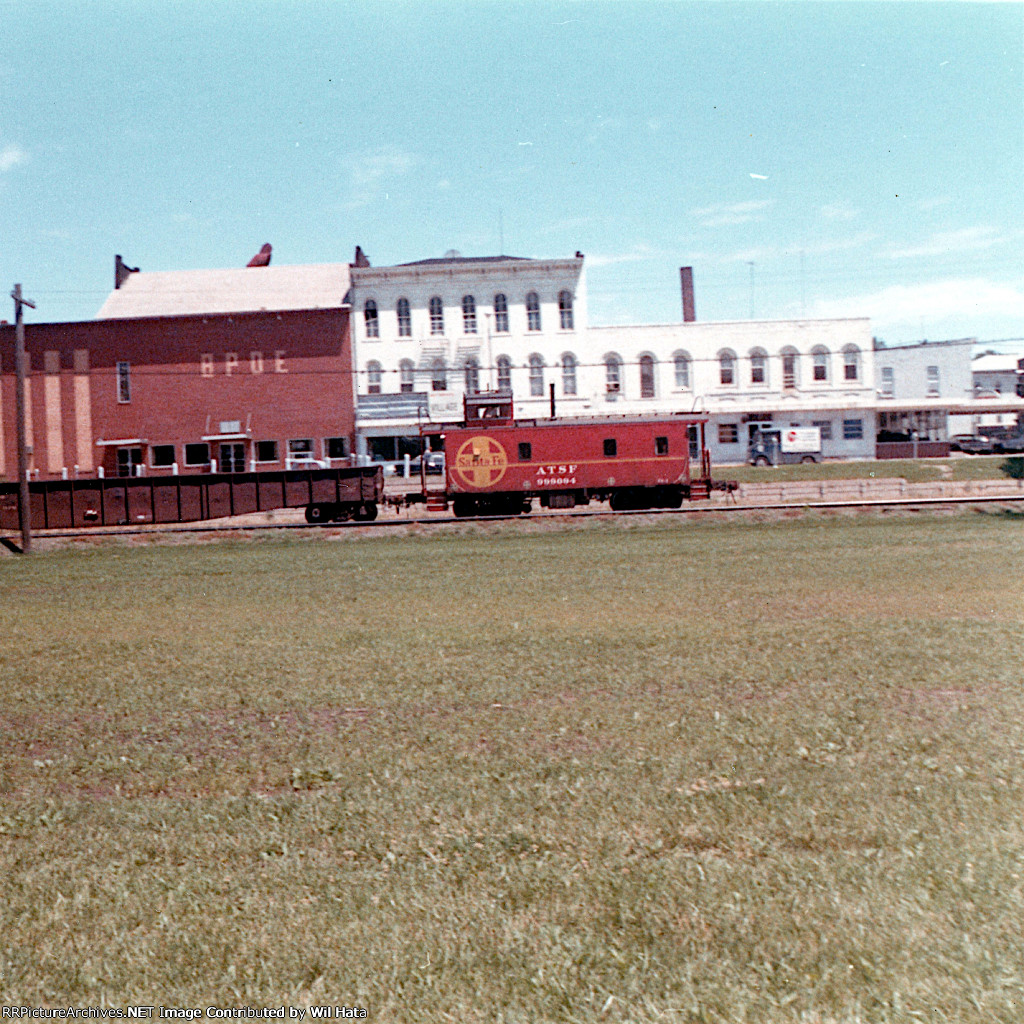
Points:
(121, 272)
(686, 279)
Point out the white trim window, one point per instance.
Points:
(438, 376)
(124, 383)
(504, 365)
(471, 375)
(819, 357)
(536, 364)
(565, 315)
(197, 453)
(888, 388)
(612, 377)
(758, 366)
(933, 381)
(468, 314)
(404, 318)
(681, 365)
(790, 369)
(532, 311)
(726, 368)
(648, 373)
(406, 377)
(374, 373)
(568, 373)
(436, 315)
(371, 319)
(501, 313)
(300, 449)
(851, 363)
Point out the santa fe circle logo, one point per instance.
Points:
(481, 462)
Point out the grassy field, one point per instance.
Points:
(728, 772)
(914, 471)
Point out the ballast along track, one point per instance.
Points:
(590, 513)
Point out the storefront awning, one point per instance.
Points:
(100, 443)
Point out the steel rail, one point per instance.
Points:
(792, 506)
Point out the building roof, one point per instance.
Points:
(465, 259)
(993, 362)
(234, 290)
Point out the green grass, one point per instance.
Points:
(915, 471)
(728, 772)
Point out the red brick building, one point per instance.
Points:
(210, 388)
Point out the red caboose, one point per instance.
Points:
(496, 465)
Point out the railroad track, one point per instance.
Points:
(723, 508)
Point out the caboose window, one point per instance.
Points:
(661, 446)
(610, 447)
(525, 451)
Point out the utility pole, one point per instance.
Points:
(20, 373)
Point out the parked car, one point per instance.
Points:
(434, 464)
(971, 444)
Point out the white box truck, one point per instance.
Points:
(783, 446)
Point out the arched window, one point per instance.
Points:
(370, 318)
(726, 367)
(404, 319)
(681, 363)
(819, 356)
(406, 376)
(501, 313)
(565, 310)
(568, 373)
(647, 370)
(373, 375)
(612, 376)
(532, 312)
(436, 315)
(536, 375)
(471, 372)
(758, 366)
(851, 363)
(438, 376)
(468, 314)
(790, 368)
(504, 373)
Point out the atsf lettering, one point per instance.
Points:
(556, 475)
(231, 364)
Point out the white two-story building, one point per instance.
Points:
(425, 333)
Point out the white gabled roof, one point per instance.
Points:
(993, 362)
(235, 290)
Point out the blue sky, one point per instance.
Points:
(807, 158)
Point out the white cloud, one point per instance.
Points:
(944, 243)
(725, 214)
(637, 255)
(839, 211)
(370, 173)
(11, 156)
(910, 304)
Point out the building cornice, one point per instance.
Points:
(362, 276)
